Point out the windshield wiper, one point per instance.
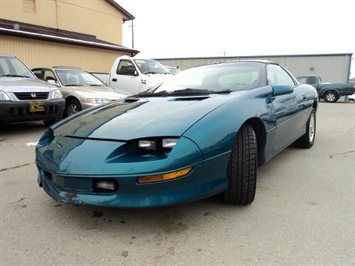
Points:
(185, 92)
(224, 91)
(150, 94)
(189, 91)
(151, 72)
(73, 85)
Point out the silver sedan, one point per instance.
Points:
(80, 89)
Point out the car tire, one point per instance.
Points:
(242, 168)
(331, 97)
(307, 140)
(72, 107)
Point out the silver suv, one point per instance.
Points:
(23, 97)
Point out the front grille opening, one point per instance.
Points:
(31, 95)
(45, 174)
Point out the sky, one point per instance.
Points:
(212, 28)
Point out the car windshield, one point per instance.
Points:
(12, 67)
(77, 77)
(217, 78)
(147, 66)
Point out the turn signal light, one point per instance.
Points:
(163, 177)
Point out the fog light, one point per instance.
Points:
(105, 184)
(163, 177)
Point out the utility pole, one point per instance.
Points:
(132, 33)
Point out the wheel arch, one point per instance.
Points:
(315, 105)
(260, 133)
(67, 102)
(71, 97)
(331, 90)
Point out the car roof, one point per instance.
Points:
(252, 60)
(10, 56)
(67, 67)
(59, 67)
(239, 61)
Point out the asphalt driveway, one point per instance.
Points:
(303, 212)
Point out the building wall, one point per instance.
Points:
(331, 67)
(94, 17)
(36, 53)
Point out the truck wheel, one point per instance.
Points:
(331, 97)
(72, 107)
(307, 140)
(242, 168)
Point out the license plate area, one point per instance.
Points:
(36, 107)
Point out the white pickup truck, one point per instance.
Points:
(134, 75)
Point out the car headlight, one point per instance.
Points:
(147, 144)
(3, 96)
(56, 94)
(169, 142)
(97, 100)
(154, 144)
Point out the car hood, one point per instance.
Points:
(10, 84)
(145, 117)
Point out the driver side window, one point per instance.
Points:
(48, 75)
(125, 67)
(276, 75)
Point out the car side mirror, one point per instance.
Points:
(132, 71)
(52, 81)
(281, 90)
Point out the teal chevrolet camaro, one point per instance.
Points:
(201, 133)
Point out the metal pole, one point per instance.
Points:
(132, 34)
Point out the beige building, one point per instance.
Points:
(79, 33)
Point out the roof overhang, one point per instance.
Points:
(31, 31)
(127, 15)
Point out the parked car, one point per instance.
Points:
(330, 92)
(201, 133)
(173, 70)
(133, 75)
(23, 97)
(81, 89)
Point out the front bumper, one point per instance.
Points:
(19, 111)
(207, 178)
